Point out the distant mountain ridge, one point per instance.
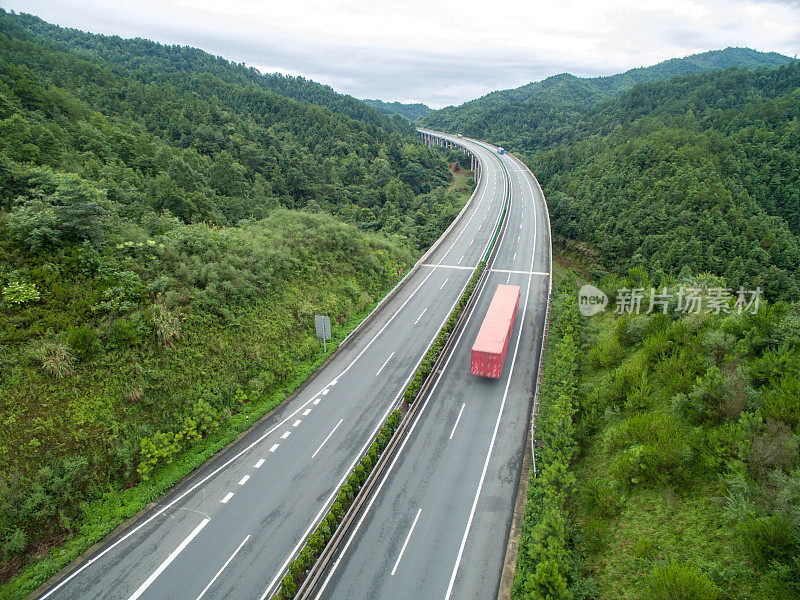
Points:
(583, 92)
(154, 58)
(412, 112)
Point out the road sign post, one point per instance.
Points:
(323, 327)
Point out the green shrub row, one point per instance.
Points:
(426, 366)
(300, 566)
(544, 561)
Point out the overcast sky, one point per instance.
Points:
(438, 52)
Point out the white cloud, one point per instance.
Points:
(440, 51)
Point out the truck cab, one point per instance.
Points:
(500, 150)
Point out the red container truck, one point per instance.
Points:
(491, 345)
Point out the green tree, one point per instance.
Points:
(61, 209)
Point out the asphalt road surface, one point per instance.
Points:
(437, 526)
(230, 529)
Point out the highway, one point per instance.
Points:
(437, 526)
(230, 529)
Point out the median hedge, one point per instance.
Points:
(299, 568)
(426, 366)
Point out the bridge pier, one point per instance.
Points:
(430, 140)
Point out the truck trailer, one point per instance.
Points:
(491, 344)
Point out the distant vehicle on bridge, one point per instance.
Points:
(500, 150)
(491, 344)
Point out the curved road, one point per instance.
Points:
(230, 529)
(437, 526)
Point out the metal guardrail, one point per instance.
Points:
(312, 579)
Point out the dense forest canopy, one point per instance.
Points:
(698, 172)
(147, 59)
(668, 454)
(565, 89)
(200, 147)
(412, 112)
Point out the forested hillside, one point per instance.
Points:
(167, 233)
(669, 462)
(202, 148)
(150, 59)
(412, 112)
(484, 117)
(699, 172)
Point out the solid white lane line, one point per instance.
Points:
(519, 272)
(420, 315)
(316, 401)
(387, 360)
(457, 420)
(445, 282)
(500, 413)
(244, 479)
(260, 462)
(346, 474)
(472, 216)
(327, 438)
(286, 434)
(169, 560)
(408, 537)
(306, 412)
(397, 456)
(227, 562)
(274, 447)
(296, 423)
(227, 497)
